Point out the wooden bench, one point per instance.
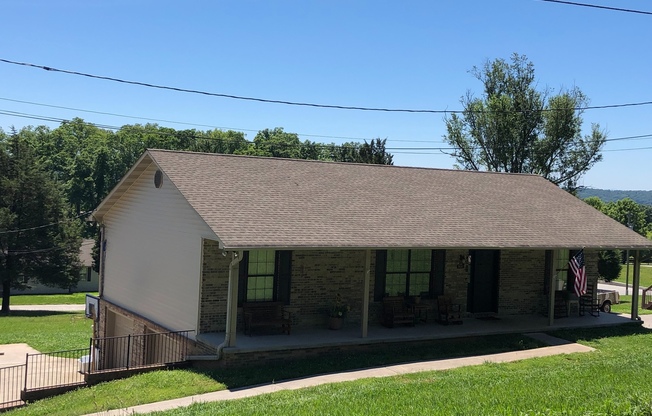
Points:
(266, 314)
(395, 311)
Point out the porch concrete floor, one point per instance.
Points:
(351, 335)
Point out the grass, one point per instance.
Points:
(154, 386)
(625, 306)
(608, 381)
(139, 389)
(46, 331)
(646, 275)
(58, 299)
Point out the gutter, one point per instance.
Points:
(231, 301)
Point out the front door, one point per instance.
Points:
(483, 287)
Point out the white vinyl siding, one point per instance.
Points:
(153, 253)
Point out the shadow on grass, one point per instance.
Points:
(34, 314)
(592, 334)
(375, 356)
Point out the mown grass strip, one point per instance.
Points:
(57, 299)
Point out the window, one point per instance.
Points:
(409, 272)
(265, 276)
(260, 278)
(89, 273)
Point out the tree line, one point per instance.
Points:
(631, 214)
(51, 179)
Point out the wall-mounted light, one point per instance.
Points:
(463, 262)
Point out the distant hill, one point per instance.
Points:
(608, 195)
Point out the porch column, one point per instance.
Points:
(636, 282)
(552, 287)
(232, 300)
(365, 294)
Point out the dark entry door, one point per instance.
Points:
(483, 288)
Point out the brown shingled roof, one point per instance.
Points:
(253, 202)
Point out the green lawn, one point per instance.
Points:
(625, 306)
(646, 275)
(165, 385)
(46, 331)
(608, 381)
(64, 299)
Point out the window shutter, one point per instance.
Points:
(438, 272)
(547, 271)
(284, 275)
(381, 268)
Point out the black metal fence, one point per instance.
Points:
(12, 380)
(137, 351)
(62, 369)
(54, 369)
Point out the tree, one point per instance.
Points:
(39, 236)
(515, 128)
(609, 264)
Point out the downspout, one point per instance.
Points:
(231, 302)
(100, 273)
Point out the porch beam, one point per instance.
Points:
(365, 293)
(552, 286)
(636, 282)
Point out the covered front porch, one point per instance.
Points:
(350, 335)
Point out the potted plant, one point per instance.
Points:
(337, 312)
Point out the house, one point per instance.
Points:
(88, 279)
(189, 237)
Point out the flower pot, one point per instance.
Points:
(335, 322)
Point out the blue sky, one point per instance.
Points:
(408, 54)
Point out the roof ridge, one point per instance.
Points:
(370, 165)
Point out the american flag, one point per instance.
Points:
(579, 270)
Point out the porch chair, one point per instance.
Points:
(447, 311)
(395, 311)
(588, 302)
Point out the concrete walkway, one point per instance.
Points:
(558, 346)
(53, 308)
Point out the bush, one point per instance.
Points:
(609, 264)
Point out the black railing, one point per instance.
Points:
(136, 351)
(48, 372)
(54, 369)
(12, 380)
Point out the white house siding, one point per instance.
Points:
(153, 254)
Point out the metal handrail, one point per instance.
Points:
(646, 298)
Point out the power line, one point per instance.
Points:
(302, 104)
(595, 6)
(396, 150)
(45, 225)
(171, 121)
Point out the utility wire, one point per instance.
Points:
(45, 225)
(394, 150)
(302, 104)
(595, 6)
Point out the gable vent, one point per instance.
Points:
(158, 178)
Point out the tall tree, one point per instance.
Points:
(516, 128)
(39, 236)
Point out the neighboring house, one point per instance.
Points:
(88, 279)
(189, 237)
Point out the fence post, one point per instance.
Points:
(26, 366)
(128, 350)
(91, 358)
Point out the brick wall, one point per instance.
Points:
(318, 276)
(456, 280)
(520, 286)
(214, 288)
